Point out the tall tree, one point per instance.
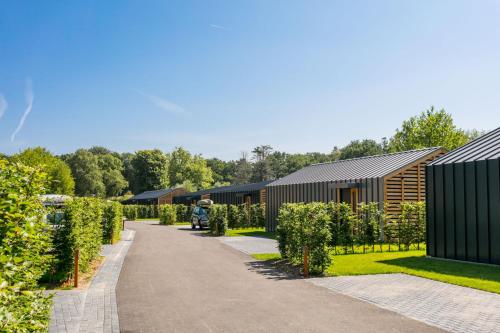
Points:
(431, 128)
(222, 171)
(185, 167)
(128, 169)
(178, 167)
(59, 173)
(88, 176)
(199, 173)
(243, 172)
(362, 148)
(150, 170)
(111, 167)
(112, 177)
(262, 167)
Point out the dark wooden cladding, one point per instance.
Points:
(463, 211)
(235, 198)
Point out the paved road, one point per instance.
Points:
(178, 281)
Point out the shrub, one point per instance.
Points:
(411, 223)
(370, 218)
(80, 229)
(168, 214)
(257, 215)
(24, 240)
(130, 212)
(243, 216)
(183, 212)
(305, 225)
(342, 225)
(111, 222)
(218, 220)
(233, 216)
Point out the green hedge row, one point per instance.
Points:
(24, 240)
(133, 212)
(80, 229)
(168, 214)
(333, 226)
(218, 220)
(112, 222)
(244, 216)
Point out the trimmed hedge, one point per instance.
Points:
(111, 222)
(80, 229)
(183, 212)
(133, 212)
(305, 225)
(24, 240)
(411, 224)
(130, 212)
(168, 214)
(244, 216)
(218, 220)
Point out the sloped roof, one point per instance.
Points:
(486, 147)
(230, 188)
(151, 194)
(355, 168)
(241, 188)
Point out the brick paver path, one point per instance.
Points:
(447, 306)
(93, 309)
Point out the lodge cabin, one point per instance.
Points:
(387, 179)
(156, 197)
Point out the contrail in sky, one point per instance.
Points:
(3, 105)
(164, 104)
(29, 100)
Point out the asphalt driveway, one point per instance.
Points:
(176, 280)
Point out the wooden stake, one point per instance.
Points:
(306, 262)
(75, 276)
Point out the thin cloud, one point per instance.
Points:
(164, 104)
(28, 92)
(217, 26)
(3, 105)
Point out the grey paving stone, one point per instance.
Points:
(450, 307)
(92, 309)
(251, 245)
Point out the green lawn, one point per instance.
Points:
(254, 232)
(484, 277)
(266, 256)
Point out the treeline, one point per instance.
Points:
(101, 172)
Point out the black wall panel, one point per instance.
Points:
(459, 203)
(449, 210)
(463, 211)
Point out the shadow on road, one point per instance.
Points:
(270, 270)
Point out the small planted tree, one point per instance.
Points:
(305, 226)
(168, 214)
(233, 216)
(218, 220)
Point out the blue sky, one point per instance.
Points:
(220, 77)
